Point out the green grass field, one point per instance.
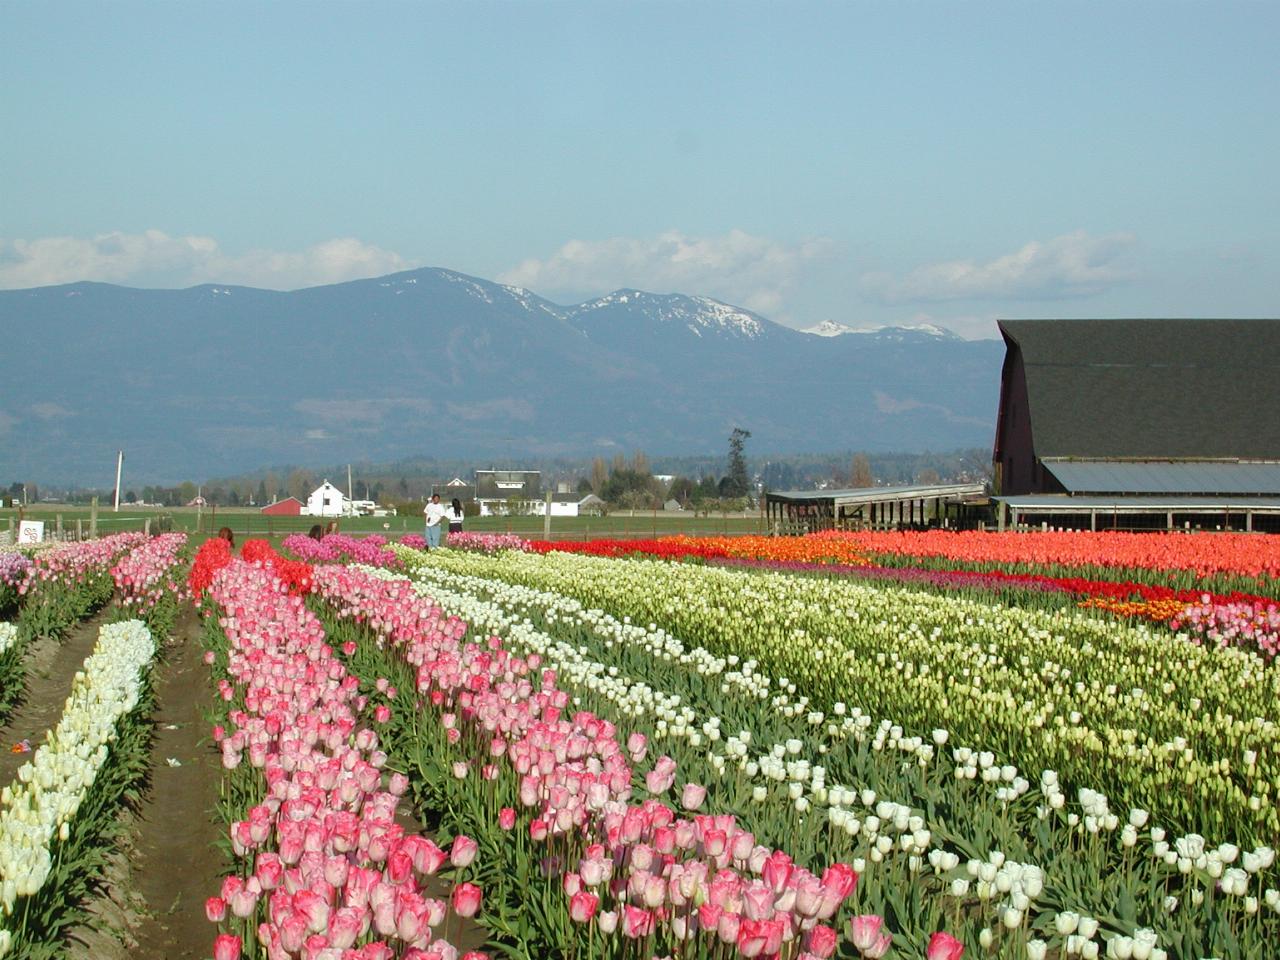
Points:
(248, 522)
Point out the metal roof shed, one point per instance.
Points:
(793, 511)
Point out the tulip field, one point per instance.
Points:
(856, 745)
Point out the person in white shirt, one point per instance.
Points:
(435, 512)
(455, 514)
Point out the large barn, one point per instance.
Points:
(1140, 423)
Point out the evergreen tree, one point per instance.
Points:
(737, 483)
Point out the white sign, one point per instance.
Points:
(30, 531)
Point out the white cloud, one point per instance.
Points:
(745, 270)
(50, 411)
(154, 258)
(1072, 265)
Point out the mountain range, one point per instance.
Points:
(216, 379)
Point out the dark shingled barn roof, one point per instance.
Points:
(1151, 389)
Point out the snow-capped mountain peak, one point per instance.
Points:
(830, 328)
(701, 316)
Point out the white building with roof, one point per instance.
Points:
(327, 500)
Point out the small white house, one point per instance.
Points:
(564, 504)
(327, 500)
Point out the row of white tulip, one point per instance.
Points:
(8, 636)
(38, 809)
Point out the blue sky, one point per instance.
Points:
(864, 163)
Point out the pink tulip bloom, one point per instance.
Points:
(759, 937)
(345, 927)
(410, 922)
(714, 842)
(692, 796)
(506, 818)
(463, 851)
(215, 908)
(466, 899)
(636, 922)
(821, 941)
(757, 901)
(583, 906)
(637, 743)
(867, 937)
(943, 946)
(226, 947)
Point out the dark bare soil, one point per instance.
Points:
(175, 866)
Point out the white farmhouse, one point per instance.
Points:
(327, 500)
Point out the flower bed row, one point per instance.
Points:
(1240, 554)
(58, 815)
(832, 783)
(339, 547)
(1234, 619)
(786, 549)
(587, 870)
(148, 583)
(1140, 715)
(11, 670)
(59, 585)
(13, 571)
(321, 868)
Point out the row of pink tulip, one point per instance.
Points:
(336, 547)
(147, 574)
(70, 562)
(686, 881)
(1254, 626)
(485, 542)
(322, 869)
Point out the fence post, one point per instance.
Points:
(79, 528)
(93, 518)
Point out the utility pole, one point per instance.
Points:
(119, 468)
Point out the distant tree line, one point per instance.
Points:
(710, 483)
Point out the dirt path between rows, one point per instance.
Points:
(175, 865)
